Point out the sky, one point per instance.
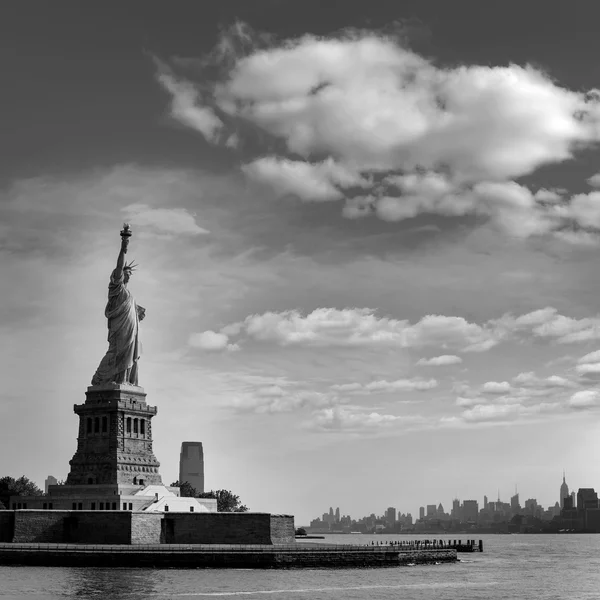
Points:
(367, 235)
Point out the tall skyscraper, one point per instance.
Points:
(191, 465)
(390, 516)
(564, 491)
(470, 510)
(337, 514)
(421, 512)
(50, 480)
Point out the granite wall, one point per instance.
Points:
(282, 529)
(217, 528)
(146, 528)
(124, 527)
(77, 527)
(7, 525)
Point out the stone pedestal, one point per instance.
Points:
(114, 445)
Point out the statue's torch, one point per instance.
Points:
(126, 231)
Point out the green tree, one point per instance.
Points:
(186, 489)
(300, 531)
(9, 486)
(226, 501)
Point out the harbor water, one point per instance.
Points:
(511, 567)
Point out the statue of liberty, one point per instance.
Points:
(120, 364)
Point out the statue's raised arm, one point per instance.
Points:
(125, 235)
(120, 363)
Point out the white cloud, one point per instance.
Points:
(594, 180)
(362, 327)
(464, 401)
(438, 361)
(492, 412)
(341, 418)
(530, 380)
(210, 340)
(312, 182)
(361, 103)
(592, 357)
(383, 386)
(496, 387)
(170, 221)
(584, 399)
(588, 369)
(186, 108)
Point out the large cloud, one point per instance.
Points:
(362, 327)
(337, 109)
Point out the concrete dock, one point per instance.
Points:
(220, 555)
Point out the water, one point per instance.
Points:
(512, 567)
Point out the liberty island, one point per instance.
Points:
(114, 508)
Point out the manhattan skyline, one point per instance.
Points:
(367, 238)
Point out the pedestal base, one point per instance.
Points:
(114, 446)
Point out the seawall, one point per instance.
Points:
(217, 556)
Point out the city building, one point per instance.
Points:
(191, 465)
(421, 512)
(470, 509)
(50, 480)
(587, 498)
(390, 516)
(564, 492)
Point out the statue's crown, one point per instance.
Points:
(130, 266)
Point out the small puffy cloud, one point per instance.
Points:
(383, 386)
(530, 380)
(594, 180)
(211, 340)
(276, 399)
(584, 209)
(496, 387)
(592, 357)
(169, 221)
(584, 399)
(588, 369)
(467, 402)
(548, 323)
(347, 419)
(492, 412)
(186, 109)
(549, 196)
(439, 361)
(362, 327)
(311, 182)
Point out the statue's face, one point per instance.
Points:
(126, 275)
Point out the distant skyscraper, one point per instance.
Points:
(431, 510)
(50, 480)
(564, 491)
(337, 514)
(470, 510)
(574, 497)
(421, 512)
(485, 502)
(191, 465)
(515, 506)
(390, 515)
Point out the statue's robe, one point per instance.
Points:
(119, 365)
